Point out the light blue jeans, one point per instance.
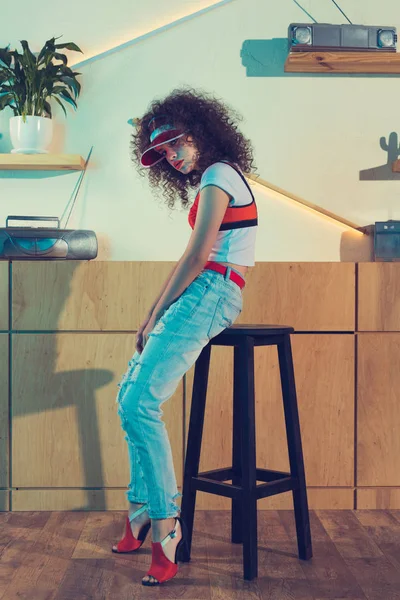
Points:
(206, 307)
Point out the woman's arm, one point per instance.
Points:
(163, 288)
(212, 206)
(186, 271)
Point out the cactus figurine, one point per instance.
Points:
(392, 147)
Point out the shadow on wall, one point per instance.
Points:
(266, 58)
(59, 389)
(384, 172)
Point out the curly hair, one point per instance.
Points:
(212, 125)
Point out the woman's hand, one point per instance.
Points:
(139, 335)
(143, 331)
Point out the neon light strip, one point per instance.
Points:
(124, 45)
(309, 205)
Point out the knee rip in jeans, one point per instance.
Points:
(132, 374)
(129, 377)
(124, 419)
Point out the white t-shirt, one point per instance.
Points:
(233, 245)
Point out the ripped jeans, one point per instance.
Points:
(206, 307)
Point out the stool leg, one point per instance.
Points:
(195, 433)
(236, 514)
(295, 448)
(245, 357)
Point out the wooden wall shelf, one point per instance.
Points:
(42, 162)
(343, 62)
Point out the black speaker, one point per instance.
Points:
(387, 241)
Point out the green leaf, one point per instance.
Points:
(72, 84)
(47, 108)
(51, 69)
(70, 46)
(67, 71)
(44, 56)
(41, 54)
(61, 57)
(67, 96)
(57, 89)
(50, 45)
(16, 56)
(6, 100)
(47, 50)
(5, 56)
(19, 77)
(61, 104)
(23, 60)
(31, 58)
(4, 76)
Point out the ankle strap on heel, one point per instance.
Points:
(170, 536)
(137, 512)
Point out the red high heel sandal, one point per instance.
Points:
(129, 543)
(162, 568)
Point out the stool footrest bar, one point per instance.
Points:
(275, 482)
(276, 487)
(202, 484)
(268, 475)
(219, 474)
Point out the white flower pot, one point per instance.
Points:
(31, 137)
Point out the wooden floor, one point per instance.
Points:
(66, 556)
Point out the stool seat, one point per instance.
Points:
(254, 330)
(244, 491)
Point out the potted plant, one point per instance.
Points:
(28, 81)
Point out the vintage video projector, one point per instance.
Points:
(311, 37)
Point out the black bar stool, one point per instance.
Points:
(244, 474)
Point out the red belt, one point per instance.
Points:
(214, 266)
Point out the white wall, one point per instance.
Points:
(312, 135)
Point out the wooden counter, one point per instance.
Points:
(67, 332)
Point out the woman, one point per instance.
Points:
(188, 140)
